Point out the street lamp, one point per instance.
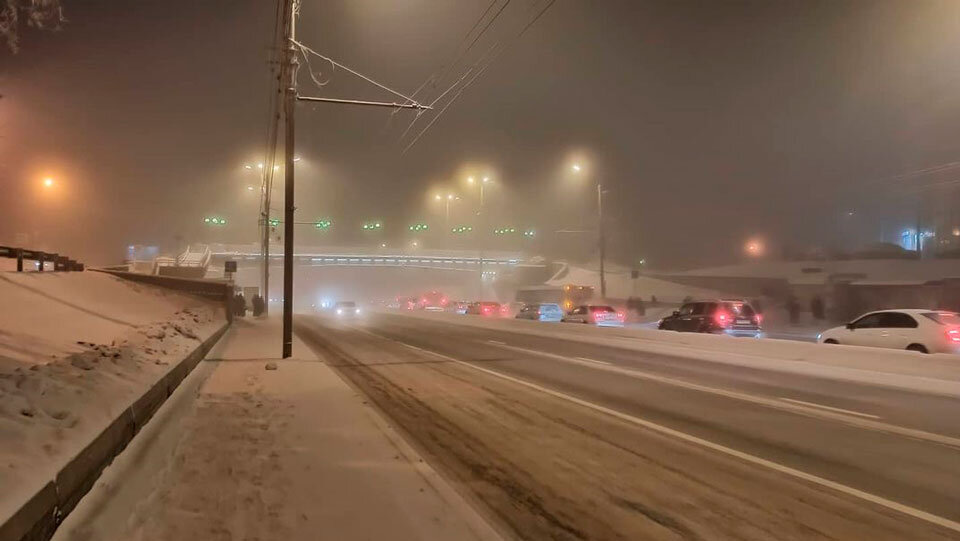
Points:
(48, 182)
(601, 239)
(446, 204)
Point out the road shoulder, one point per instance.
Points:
(290, 453)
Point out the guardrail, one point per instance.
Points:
(60, 263)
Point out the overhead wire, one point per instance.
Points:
(305, 49)
(445, 70)
(480, 72)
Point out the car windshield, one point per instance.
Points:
(943, 318)
(549, 307)
(607, 309)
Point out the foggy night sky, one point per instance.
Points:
(708, 122)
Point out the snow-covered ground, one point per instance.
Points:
(620, 285)
(76, 349)
(879, 270)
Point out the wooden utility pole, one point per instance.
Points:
(289, 104)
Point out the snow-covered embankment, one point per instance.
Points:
(76, 350)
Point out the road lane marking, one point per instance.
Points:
(497, 342)
(753, 459)
(856, 421)
(591, 360)
(831, 408)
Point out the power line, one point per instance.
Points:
(480, 72)
(304, 49)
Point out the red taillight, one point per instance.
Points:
(505, 309)
(621, 316)
(953, 335)
(443, 301)
(486, 309)
(759, 318)
(722, 318)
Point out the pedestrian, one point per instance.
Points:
(257, 305)
(241, 305)
(793, 309)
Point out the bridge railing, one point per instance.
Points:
(60, 263)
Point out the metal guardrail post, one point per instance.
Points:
(19, 259)
(40, 261)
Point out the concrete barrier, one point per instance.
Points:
(39, 517)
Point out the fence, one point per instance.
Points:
(60, 263)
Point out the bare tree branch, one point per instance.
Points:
(39, 14)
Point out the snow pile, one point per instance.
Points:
(620, 285)
(75, 351)
(883, 270)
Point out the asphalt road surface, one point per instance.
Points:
(557, 439)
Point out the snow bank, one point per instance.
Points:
(75, 350)
(620, 285)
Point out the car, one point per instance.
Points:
(596, 314)
(486, 308)
(729, 317)
(346, 309)
(541, 311)
(458, 307)
(432, 301)
(924, 331)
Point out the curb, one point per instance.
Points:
(39, 517)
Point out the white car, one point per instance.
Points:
(926, 331)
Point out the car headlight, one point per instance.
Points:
(357, 311)
(339, 311)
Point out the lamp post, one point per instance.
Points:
(601, 237)
(482, 219)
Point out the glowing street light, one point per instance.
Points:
(754, 248)
(249, 188)
(260, 165)
(576, 168)
(48, 182)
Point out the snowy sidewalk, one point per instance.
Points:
(249, 453)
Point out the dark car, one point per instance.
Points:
(731, 317)
(486, 308)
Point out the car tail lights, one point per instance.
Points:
(505, 309)
(759, 318)
(954, 334)
(621, 316)
(722, 318)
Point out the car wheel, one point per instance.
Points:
(919, 348)
(830, 341)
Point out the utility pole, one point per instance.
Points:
(601, 240)
(481, 236)
(289, 102)
(267, 187)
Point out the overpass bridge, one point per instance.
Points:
(343, 256)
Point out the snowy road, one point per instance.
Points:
(573, 440)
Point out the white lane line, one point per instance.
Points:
(831, 408)
(856, 421)
(850, 491)
(592, 360)
(497, 342)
